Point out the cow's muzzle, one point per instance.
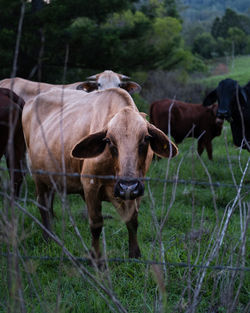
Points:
(128, 189)
(223, 114)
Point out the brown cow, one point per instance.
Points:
(12, 144)
(187, 120)
(28, 89)
(102, 133)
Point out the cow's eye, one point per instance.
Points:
(112, 147)
(143, 145)
(147, 138)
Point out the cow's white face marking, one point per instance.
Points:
(108, 79)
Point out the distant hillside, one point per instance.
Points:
(207, 10)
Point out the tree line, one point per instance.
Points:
(122, 35)
(229, 35)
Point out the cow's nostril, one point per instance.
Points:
(135, 193)
(128, 186)
(129, 190)
(222, 114)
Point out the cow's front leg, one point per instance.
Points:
(132, 225)
(201, 146)
(96, 224)
(45, 198)
(209, 150)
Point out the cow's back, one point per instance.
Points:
(185, 118)
(28, 89)
(161, 111)
(24, 88)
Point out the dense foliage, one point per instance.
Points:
(125, 36)
(119, 35)
(193, 10)
(229, 34)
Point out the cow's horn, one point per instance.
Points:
(92, 77)
(124, 76)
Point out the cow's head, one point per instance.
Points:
(109, 79)
(216, 122)
(225, 94)
(129, 142)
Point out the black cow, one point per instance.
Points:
(233, 105)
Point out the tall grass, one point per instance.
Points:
(188, 226)
(187, 220)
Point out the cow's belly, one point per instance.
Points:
(58, 181)
(47, 168)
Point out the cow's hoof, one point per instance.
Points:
(97, 262)
(135, 253)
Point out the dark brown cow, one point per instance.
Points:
(187, 120)
(11, 131)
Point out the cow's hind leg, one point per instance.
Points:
(17, 173)
(132, 225)
(45, 197)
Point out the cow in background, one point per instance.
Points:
(234, 106)
(100, 134)
(187, 120)
(11, 107)
(109, 79)
(28, 89)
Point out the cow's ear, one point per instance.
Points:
(89, 146)
(160, 143)
(131, 87)
(88, 86)
(213, 109)
(210, 98)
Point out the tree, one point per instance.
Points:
(165, 38)
(237, 38)
(205, 45)
(221, 26)
(160, 8)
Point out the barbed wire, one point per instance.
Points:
(119, 260)
(146, 179)
(145, 262)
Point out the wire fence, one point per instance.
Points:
(146, 179)
(46, 258)
(137, 261)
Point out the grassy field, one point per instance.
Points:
(194, 213)
(238, 69)
(179, 223)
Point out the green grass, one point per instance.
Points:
(185, 237)
(239, 69)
